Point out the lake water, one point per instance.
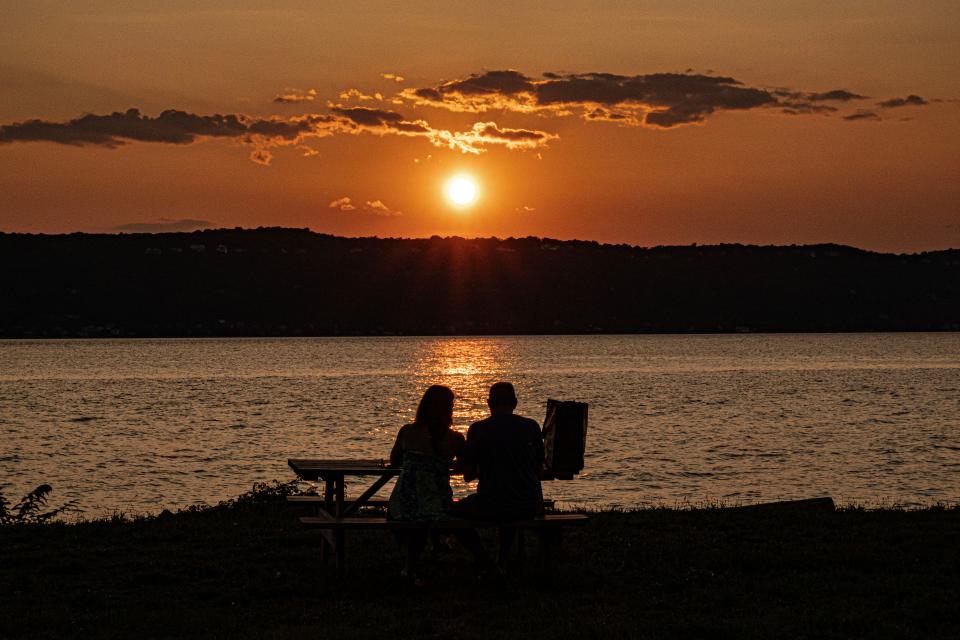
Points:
(142, 425)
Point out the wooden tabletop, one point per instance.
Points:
(310, 469)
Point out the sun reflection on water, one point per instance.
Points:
(468, 366)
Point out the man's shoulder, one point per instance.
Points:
(513, 419)
(479, 425)
(527, 422)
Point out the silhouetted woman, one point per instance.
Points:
(425, 451)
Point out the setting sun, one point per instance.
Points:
(462, 190)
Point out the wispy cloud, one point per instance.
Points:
(261, 156)
(360, 96)
(171, 127)
(862, 114)
(841, 95)
(377, 207)
(343, 204)
(911, 100)
(480, 135)
(294, 96)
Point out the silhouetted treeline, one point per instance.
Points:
(275, 281)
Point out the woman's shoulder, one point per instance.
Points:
(404, 432)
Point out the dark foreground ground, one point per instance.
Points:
(247, 570)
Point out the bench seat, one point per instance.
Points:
(317, 500)
(545, 521)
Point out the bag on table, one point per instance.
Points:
(564, 439)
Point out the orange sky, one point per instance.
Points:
(683, 158)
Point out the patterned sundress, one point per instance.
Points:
(423, 490)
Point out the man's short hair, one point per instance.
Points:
(502, 394)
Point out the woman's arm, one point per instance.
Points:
(396, 454)
(468, 458)
(458, 443)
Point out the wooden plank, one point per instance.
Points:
(310, 469)
(552, 520)
(313, 469)
(311, 499)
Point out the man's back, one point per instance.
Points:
(508, 451)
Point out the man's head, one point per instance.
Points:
(503, 398)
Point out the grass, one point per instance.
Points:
(246, 569)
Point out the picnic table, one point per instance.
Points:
(334, 507)
(334, 513)
(334, 472)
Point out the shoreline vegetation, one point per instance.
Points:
(247, 569)
(294, 282)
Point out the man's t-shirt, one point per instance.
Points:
(508, 451)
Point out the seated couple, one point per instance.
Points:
(504, 451)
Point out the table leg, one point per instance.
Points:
(327, 542)
(340, 546)
(338, 482)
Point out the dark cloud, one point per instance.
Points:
(179, 127)
(662, 100)
(165, 225)
(659, 99)
(607, 115)
(841, 95)
(798, 107)
(171, 126)
(801, 103)
(911, 100)
(374, 118)
(490, 131)
(507, 82)
(862, 115)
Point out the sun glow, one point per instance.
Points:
(462, 190)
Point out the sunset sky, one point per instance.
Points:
(640, 122)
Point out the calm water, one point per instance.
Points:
(139, 425)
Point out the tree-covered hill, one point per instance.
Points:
(274, 281)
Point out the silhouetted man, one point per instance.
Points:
(505, 452)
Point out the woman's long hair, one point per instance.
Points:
(435, 412)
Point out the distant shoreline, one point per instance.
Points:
(292, 282)
(475, 335)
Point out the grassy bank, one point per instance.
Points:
(248, 570)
